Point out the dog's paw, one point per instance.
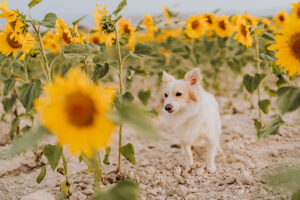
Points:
(190, 162)
(211, 168)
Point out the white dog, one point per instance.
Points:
(194, 115)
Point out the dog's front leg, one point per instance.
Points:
(188, 152)
(212, 148)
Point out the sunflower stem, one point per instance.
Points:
(65, 165)
(25, 71)
(258, 71)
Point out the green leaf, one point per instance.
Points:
(100, 71)
(42, 174)
(76, 50)
(8, 103)
(264, 105)
(142, 51)
(78, 20)
(128, 152)
(288, 99)
(144, 96)
(29, 92)
(26, 128)
(9, 84)
(53, 154)
(89, 162)
(134, 116)
(33, 3)
(124, 39)
(137, 71)
(251, 83)
(268, 36)
(128, 97)
(257, 125)
(106, 157)
(22, 143)
(272, 127)
(49, 20)
(65, 188)
(120, 7)
(123, 190)
(14, 127)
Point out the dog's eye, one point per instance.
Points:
(178, 94)
(166, 95)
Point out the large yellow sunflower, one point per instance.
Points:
(51, 42)
(149, 24)
(66, 34)
(75, 110)
(223, 27)
(250, 20)
(195, 27)
(243, 34)
(9, 14)
(11, 42)
(126, 27)
(288, 46)
(296, 10)
(281, 18)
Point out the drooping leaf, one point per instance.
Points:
(123, 190)
(272, 127)
(120, 7)
(144, 96)
(42, 175)
(53, 154)
(9, 84)
(288, 99)
(264, 105)
(100, 71)
(75, 50)
(8, 103)
(14, 126)
(128, 152)
(251, 83)
(142, 51)
(22, 143)
(107, 154)
(33, 3)
(29, 92)
(49, 20)
(124, 39)
(128, 96)
(78, 20)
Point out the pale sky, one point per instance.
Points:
(73, 9)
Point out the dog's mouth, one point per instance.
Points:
(170, 111)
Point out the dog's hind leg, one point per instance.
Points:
(189, 154)
(212, 148)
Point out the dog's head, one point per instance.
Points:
(179, 93)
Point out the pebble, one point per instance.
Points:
(245, 178)
(182, 191)
(177, 171)
(199, 171)
(144, 163)
(150, 170)
(88, 191)
(42, 194)
(78, 196)
(131, 175)
(190, 197)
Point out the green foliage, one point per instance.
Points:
(49, 20)
(120, 7)
(14, 127)
(123, 190)
(264, 105)
(53, 154)
(100, 71)
(8, 103)
(272, 127)
(107, 154)
(65, 188)
(33, 3)
(29, 92)
(144, 96)
(251, 83)
(78, 20)
(42, 175)
(288, 99)
(22, 143)
(75, 50)
(128, 152)
(9, 84)
(124, 39)
(142, 51)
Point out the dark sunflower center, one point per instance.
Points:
(66, 38)
(249, 20)
(209, 20)
(195, 24)
(281, 18)
(222, 25)
(295, 45)
(80, 109)
(13, 24)
(126, 29)
(12, 42)
(95, 40)
(298, 12)
(243, 30)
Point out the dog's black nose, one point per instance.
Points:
(168, 107)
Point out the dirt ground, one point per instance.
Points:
(161, 171)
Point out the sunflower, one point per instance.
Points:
(296, 10)
(243, 34)
(288, 46)
(11, 42)
(104, 24)
(126, 27)
(235, 19)
(250, 19)
(164, 35)
(281, 18)
(75, 110)
(167, 14)
(149, 24)
(9, 14)
(51, 42)
(96, 38)
(195, 27)
(223, 27)
(67, 35)
(267, 25)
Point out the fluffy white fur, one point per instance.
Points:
(194, 115)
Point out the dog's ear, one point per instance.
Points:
(166, 78)
(193, 77)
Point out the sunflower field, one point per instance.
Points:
(71, 95)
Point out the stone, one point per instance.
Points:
(42, 194)
(245, 178)
(182, 191)
(78, 196)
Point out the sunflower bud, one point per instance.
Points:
(108, 27)
(34, 52)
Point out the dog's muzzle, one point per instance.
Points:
(168, 108)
